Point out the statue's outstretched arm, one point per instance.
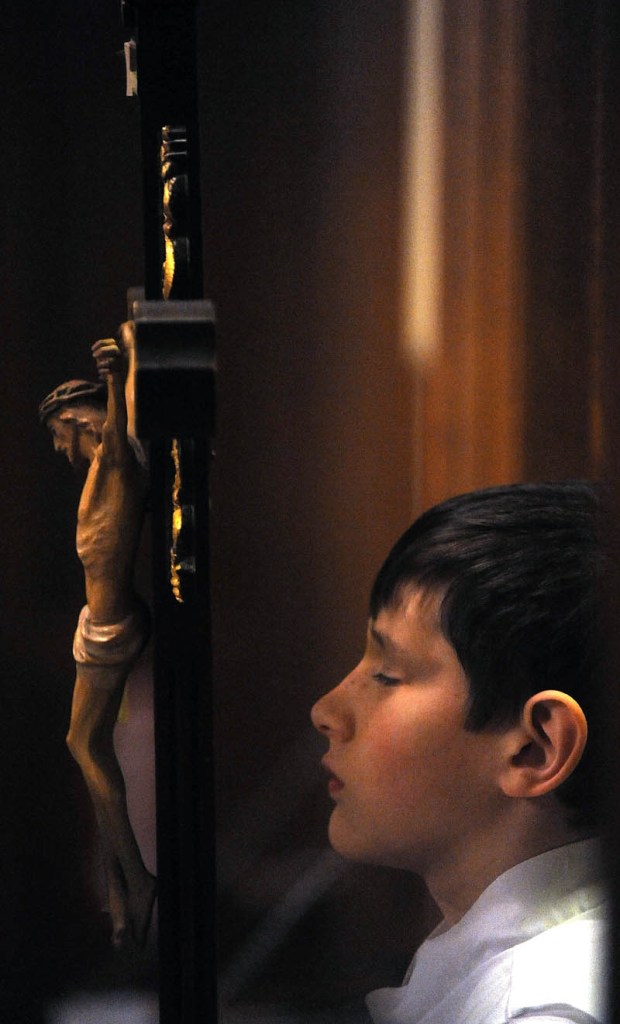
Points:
(111, 357)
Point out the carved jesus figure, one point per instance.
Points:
(88, 423)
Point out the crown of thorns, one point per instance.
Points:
(70, 393)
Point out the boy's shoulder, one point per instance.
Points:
(534, 944)
(564, 966)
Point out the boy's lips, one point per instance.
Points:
(334, 783)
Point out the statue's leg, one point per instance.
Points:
(131, 888)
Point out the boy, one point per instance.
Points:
(458, 751)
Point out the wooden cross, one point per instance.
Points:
(173, 380)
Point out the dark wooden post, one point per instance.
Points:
(174, 391)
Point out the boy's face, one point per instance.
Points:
(412, 788)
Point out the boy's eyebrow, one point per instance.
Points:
(385, 642)
(376, 635)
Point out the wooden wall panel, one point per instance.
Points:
(560, 157)
(469, 393)
(513, 389)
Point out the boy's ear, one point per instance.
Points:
(545, 747)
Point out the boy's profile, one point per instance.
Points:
(459, 749)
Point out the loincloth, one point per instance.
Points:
(115, 645)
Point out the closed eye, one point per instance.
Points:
(385, 680)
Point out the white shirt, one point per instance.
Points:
(532, 947)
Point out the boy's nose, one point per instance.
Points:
(319, 716)
(331, 716)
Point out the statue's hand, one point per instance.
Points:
(109, 357)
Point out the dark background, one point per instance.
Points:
(70, 246)
(302, 117)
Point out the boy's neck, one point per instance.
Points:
(456, 886)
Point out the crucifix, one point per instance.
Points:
(146, 429)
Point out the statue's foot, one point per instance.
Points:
(120, 934)
(117, 909)
(140, 902)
